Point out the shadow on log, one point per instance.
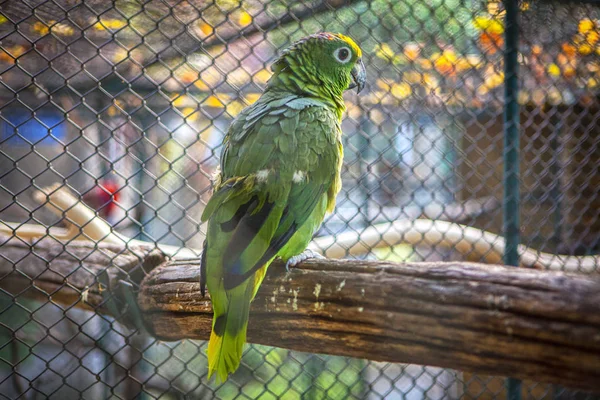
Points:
(487, 319)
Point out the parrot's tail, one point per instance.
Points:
(229, 332)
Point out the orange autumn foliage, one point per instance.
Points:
(188, 77)
(569, 50)
(491, 42)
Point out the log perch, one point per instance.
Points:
(488, 319)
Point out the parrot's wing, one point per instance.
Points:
(256, 210)
(299, 206)
(257, 132)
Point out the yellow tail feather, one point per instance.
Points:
(225, 354)
(225, 349)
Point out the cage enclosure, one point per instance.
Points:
(477, 139)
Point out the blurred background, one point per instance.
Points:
(127, 102)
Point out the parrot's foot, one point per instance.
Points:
(305, 255)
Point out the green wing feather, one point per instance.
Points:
(280, 163)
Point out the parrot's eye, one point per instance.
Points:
(342, 54)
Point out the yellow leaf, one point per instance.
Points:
(430, 81)
(10, 53)
(586, 25)
(384, 51)
(524, 6)
(489, 25)
(445, 62)
(553, 70)
(401, 90)
(206, 28)
(252, 97)
(262, 76)
(234, 108)
(569, 72)
(493, 7)
(41, 28)
(182, 101)
(592, 83)
(382, 84)
(245, 19)
(4, 56)
(482, 90)
(187, 111)
(592, 37)
(463, 64)
(3, 19)
(112, 111)
(113, 24)
(585, 49)
(213, 101)
(412, 51)
(201, 85)
(494, 80)
(424, 63)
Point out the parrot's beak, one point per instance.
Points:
(359, 76)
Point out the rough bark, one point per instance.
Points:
(487, 319)
(76, 274)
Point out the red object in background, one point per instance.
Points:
(104, 198)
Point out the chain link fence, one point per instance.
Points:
(126, 104)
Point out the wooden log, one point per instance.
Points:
(531, 324)
(495, 320)
(71, 275)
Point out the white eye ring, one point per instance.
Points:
(342, 55)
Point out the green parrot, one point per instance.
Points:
(280, 174)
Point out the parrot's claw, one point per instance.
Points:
(305, 255)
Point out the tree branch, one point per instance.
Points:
(487, 319)
(80, 274)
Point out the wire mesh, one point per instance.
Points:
(126, 104)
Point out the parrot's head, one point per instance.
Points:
(326, 61)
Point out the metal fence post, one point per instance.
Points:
(511, 153)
